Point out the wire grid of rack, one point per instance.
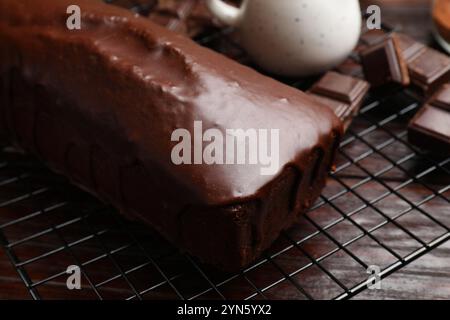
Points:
(386, 205)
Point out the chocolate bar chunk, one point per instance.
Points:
(430, 129)
(340, 87)
(341, 93)
(350, 67)
(384, 65)
(429, 70)
(409, 47)
(373, 37)
(442, 98)
(109, 105)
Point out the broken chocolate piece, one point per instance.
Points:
(372, 37)
(430, 130)
(442, 98)
(429, 70)
(341, 87)
(409, 47)
(351, 67)
(384, 65)
(342, 94)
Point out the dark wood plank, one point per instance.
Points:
(427, 278)
(11, 287)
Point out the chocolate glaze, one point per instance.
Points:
(99, 105)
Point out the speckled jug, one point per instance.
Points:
(294, 37)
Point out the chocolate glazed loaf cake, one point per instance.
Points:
(99, 105)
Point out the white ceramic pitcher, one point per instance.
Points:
(294, 37)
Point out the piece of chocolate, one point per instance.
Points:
(101, 105)
(409, 47)
(342, 94)
(341, 87)
(384, 65)
(429, 70)
(372, 37)
(351, 67)
(430, 129)
(442, 98)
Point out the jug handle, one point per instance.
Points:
(226, 13)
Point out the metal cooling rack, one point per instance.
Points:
(387, 204)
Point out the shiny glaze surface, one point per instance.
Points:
(137, 82)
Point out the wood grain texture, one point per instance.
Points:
(426, 278)
(11, 287)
